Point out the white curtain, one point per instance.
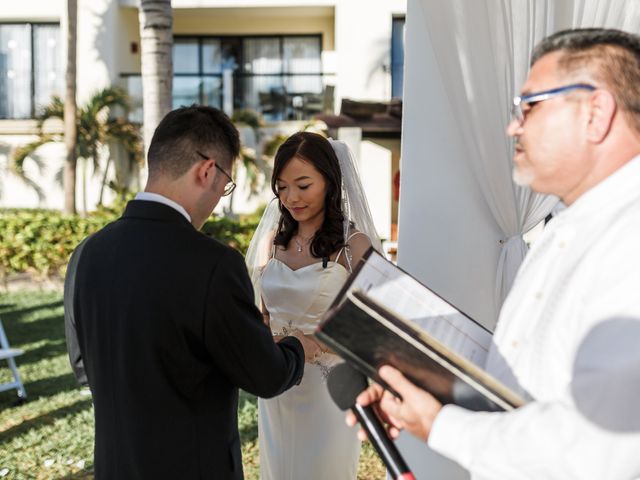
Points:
(15, 71)
(47, 63)
(483, 49)
(465, 60)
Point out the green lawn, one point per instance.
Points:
(51, 435)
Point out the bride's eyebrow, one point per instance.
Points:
(303, 177)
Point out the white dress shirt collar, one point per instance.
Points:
(156, 197)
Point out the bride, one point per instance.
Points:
(311, 235)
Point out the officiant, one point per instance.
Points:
(568, 333)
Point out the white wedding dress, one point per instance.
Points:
(302, 433)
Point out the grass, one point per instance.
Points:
(51, 435)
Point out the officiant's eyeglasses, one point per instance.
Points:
(231, 185)
(532, 99)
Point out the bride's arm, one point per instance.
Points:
(359, 243)
(266, 318)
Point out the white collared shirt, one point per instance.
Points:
(156, 197)
(568, 336)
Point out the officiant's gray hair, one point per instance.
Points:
(184, 132)
(609, 57)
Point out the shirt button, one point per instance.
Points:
(538, 295)
(514, 344)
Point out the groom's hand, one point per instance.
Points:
(311, 348)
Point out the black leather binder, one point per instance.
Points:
(369, 333)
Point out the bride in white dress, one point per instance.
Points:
(303, 251)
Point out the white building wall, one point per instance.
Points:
(97, 54)
(363, 47)
(44, 168)
(32, 10)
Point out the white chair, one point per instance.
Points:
(7, 353)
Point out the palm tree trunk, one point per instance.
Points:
(104, 178)
(85, 167)
(70, 124)
(156, 35)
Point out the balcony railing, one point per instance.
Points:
(275, 97)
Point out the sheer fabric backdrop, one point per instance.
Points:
(461, 216)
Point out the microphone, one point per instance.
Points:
(345, 383)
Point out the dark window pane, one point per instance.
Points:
(397, 57)
(301, 55)
(266, 94)
(262, 55)
(48, 76)
(303, 84)
(231, 52)
(211, 56)
(185, 56)
(186, 91)
(212, 91)
(15, 71)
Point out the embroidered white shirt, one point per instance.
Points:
(156, 197)
(568, 336)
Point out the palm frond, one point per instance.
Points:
(107, 98)
(252, 169)
(271, 146)
(16, 164)
(18, 156)
(55, 109)
(59, 177)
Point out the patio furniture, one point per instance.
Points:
(7, 353)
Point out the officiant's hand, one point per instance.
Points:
(311, 348)
(415, 413)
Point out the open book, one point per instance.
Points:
(382, 316)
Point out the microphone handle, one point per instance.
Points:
(380, 440)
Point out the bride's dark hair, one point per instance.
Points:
(316, 150)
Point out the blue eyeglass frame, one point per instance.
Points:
(533, 98)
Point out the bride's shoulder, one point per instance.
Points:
(358, 243)
(356, 238)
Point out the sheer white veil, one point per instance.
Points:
(355, 209)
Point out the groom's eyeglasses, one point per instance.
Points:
(231, 185)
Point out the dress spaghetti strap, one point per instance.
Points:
(347, 244)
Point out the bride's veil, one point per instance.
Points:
(355, 209)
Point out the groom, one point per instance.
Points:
(162, 318)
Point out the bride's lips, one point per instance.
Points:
(297, 209)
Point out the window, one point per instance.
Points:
(30, 68)
(397, 56)
(278, 76)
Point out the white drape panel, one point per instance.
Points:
(465, 60)
(482, 49)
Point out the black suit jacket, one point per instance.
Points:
(162, 320)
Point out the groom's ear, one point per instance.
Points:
(204, 171)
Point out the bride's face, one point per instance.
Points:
(302, 190)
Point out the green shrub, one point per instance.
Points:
(40, 242)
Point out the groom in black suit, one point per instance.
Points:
(160, 318)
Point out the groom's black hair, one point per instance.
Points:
(187, 130)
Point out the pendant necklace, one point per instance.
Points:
(305, 241)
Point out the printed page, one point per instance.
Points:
(408, 298)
